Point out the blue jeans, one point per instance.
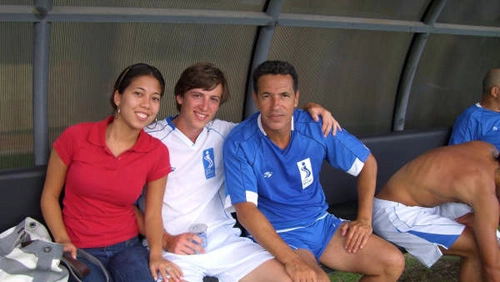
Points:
(126, 261)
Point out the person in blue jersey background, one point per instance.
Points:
(481, 121)
(272, 162)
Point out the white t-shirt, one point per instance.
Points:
(195, 187)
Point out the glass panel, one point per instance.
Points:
(354, 74)
(471, 12)
(387, 9)
(449, 78)
(82, 74)
(241, 5)
(16, 115)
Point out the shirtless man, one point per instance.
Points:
(421, 208)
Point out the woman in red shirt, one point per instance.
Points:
(103, 167)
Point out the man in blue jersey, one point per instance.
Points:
(272, 162)
(481, 121)
(195, 188)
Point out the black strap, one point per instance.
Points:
(76, 268)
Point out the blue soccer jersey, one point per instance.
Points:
(284, 184)
(477, 123)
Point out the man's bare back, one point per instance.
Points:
(467, 173)
(447, 174)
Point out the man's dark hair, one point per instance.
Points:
(275, 68)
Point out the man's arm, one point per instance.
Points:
(263, 232)
(359, 230)
(182, 244)
(486, 211)
(329, 122)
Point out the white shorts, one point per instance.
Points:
(419, 230)
(227, 257)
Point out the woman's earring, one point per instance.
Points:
(117, 113)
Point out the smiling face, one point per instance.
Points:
(276, 101)
(140, 102)
(197, 107)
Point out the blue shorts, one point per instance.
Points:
(314, 237)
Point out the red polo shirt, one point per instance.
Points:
(101, 189)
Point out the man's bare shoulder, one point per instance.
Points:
(445, 174)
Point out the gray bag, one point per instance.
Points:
(27, 253)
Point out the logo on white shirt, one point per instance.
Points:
(306, 174)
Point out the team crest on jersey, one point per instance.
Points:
(306, 174)
(208, 163)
